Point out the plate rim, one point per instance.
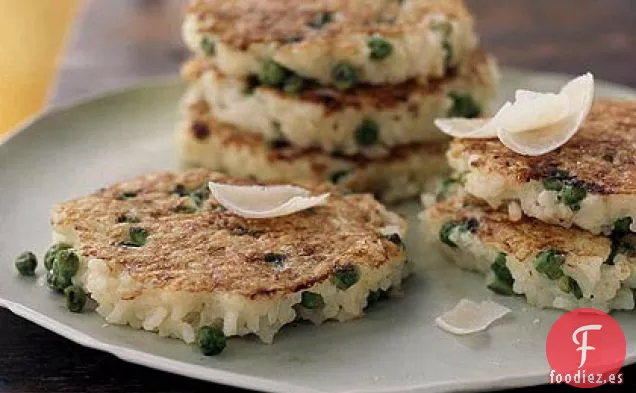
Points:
(244, 381)
(225, 377)
(146, 359)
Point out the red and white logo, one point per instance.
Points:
(586, 348)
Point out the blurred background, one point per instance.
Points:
(84, 47)
(31, 35)
(57, 51)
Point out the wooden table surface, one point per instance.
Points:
(117, 43)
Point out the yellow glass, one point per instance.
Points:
(31, 37)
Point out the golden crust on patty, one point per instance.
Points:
(523, 238)
(245, 22)
(601, 156)
(214, 250)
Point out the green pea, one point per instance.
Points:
(609, 156)
(294, 84)
(57, 282)
(200, 195)
(344, 76)
(379, 48)
(66, 263)
(50, 279)
(447, 185)
(503, 278)
(501, 270)
(367, 133)
(208, 46)
(569, 285)
(180, 190)
(321, 19)
(549, 263)
(570, 192)
(628, 242)
(501, 259)
(501, 288)
(448, 57)
(552, 184)
(337, 176)
(65, 266)
(51, 253)
(372, 298)
(345, 277)
(211, 340)
(445, 232)
(622, 226)
(272, 73)
(26, 263)
(396, 239)
(572, 195)
(445, 189)
(620, 245)
(312, 211)
(444, 27)
(274, 258)
(311, 300)
(75, 298)
(127, 195)
(137, 237)
(465, 225)
(614, 251)
(621, 239)
(184, 209)
(375, 296)
(464, 106)
(253, 81)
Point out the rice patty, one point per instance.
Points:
(206, 266)
(331, 119)
(589, 182)
(478, 235)
(427, 37)
(402, 174)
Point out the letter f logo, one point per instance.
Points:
(583, 344)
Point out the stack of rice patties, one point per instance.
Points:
(345, 91)
(557, 228)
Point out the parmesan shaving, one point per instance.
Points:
(536, 123)
(469, 317)
(254, 201)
